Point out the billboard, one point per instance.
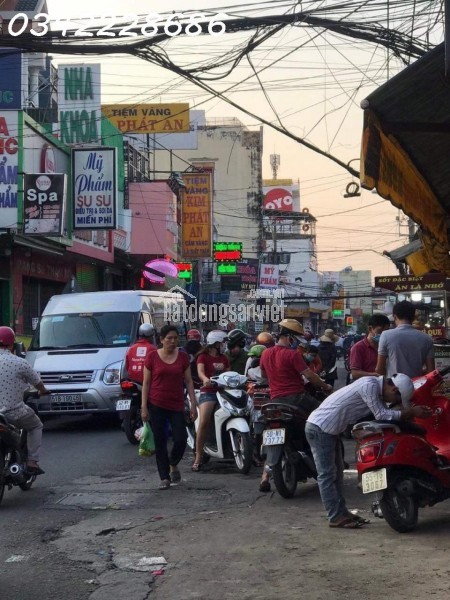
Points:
(170, 140)
(94, 188)
(79, 104)
(281, 195)
(9, 163)
(148, 118)
(196, 213)
(11, 85)
(44, 203)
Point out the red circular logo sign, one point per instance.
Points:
(278, 199)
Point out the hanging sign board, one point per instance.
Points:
(44, 204)
(94, 188)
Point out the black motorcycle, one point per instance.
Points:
(286, 448)
(13, 458)
(129, 408)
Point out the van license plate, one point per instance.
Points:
(373, 481)
(66, 398)
(273, 437)
(123, 404)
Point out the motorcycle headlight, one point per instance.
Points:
(111, 376)
(232, 381)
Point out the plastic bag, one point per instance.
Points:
(138, 433)
(147, 442)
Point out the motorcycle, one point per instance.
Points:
(407, 464)
(129, 408)
(13, 458)
(229, 436)
(260, 395)
(288, 453)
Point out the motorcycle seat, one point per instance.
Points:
(370, 427)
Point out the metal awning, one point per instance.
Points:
(406, 149)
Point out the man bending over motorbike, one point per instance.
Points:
(348, 405)
(285, 368)
(16, 375)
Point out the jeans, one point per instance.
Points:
(33, 426)
(327, 452)
(158, 418)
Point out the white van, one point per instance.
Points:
(81, 341)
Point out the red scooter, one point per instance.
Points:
(407, 464)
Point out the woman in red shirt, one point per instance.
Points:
(210, 361)
(165, 372)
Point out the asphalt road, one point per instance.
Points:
(92, 526)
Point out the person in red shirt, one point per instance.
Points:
(138, 352)
(166, 371)
(364, 354)
(285, 369)
(210, 361)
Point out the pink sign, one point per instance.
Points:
(159, 265)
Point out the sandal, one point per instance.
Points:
(346, 523)
(165, 484)
(196, 467)
(264, 486)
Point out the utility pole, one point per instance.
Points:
(447, 37)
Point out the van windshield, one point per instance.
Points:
(84, 330)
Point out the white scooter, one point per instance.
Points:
(228, 437)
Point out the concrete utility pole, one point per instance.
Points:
(447, 37)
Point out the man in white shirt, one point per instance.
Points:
(16, 375)
(345, 406)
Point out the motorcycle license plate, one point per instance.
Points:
(66, 398)
(272, 437)
(374, 481)
(123, 404)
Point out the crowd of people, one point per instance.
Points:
(291, 363)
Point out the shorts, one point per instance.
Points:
(207, 397)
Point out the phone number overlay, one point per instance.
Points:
(129, 26)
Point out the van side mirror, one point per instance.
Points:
(19, 349)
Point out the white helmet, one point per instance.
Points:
(146, 330)
(215, 336)
(405, 387)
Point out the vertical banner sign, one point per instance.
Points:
(269, 276)
(44, 204)
(196, 211)
(79, 104)
(94, 192)
(9, 163)
(11, 85)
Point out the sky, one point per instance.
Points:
(307, 80)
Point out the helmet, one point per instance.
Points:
(292, 326)
(236, 337)
(146, 330)
(405, 387)
(7, 336)
(194, 334)
(256, 350)
(265, 338)
(215, 336)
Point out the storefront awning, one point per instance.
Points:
(405, 150)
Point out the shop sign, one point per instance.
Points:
(94, 188)
(196, 210)
(410, 283)
(44, 204)
(79, 104)
(156, 270)
(9, 163)
(269, 276)
(11, 84)
(148, 118)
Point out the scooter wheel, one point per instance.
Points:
(401, 511)
(285, 476)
